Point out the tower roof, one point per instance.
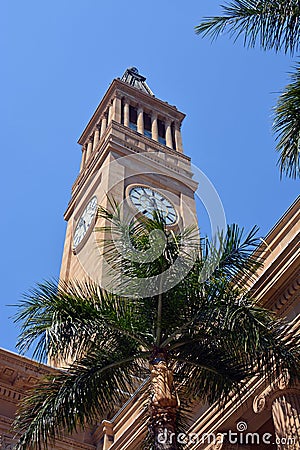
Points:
(132, 77)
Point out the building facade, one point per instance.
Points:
(132, 153)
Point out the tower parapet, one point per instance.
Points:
(130, 102)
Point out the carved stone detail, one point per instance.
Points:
(10, 394)
(131, 140)
(288, 294)
(260, 401)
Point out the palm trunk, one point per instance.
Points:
(163, 404)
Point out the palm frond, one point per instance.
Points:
(64, 319)
(230, 323)
(143, 252)
(271, 24)
(231, 254)
(67, 401)
(143, 240)
(287, 127)
(209, 379)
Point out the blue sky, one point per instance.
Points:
(58, 59)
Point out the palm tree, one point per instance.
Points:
(199, 340)
(273, 25)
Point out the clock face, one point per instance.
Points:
(85, 221)
(146, 200)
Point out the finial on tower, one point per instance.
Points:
(132, 77)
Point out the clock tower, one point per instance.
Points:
(131, 152)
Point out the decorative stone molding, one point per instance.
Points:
(119, 95)
(108, 434)
(18, 378)
(177, 124)
(260, 402)
(288, 294)
(21, 363)
(131, 140)
(10, 394)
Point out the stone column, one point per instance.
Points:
(89, 148)
(103, 125)
(169, 142)
(83, 157)
(178, 139)
(154, 127)
(140, 120)
(286, 419)
(110, 113)
(96, 136)
(126, 113)
(116, 112)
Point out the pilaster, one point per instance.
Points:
(140, 120)
(169, 142)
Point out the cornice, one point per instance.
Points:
(17, 374)
(291, 216)
(287, 225)
(276, 268)
(9, 394)
(149, 98)
(150, 142)
(23, 363)
(291, 293)
(275, 285)
(156, 146)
